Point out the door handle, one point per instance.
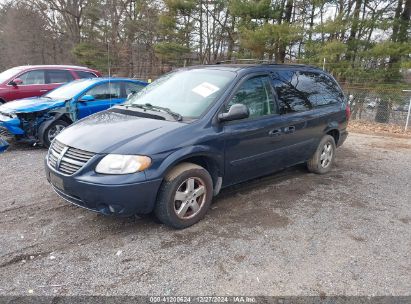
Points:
(275, 132)
(290, 129)
(43, 91)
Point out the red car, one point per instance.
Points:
(36, 80)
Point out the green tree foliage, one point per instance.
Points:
(171, 51)
(265, 27)
(358, 41)
(176, 24)
(91, 55)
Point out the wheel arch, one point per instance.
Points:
(211, 160)
(47, 123)
(205, 161)
(335, 133)
(64, 117)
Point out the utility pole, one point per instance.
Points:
(409, 111)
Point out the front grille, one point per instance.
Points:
(67, 160)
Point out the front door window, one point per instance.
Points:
(256, 94)
(33, 77)
(106, 91)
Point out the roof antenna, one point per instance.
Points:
(109, 72)
(108, 59)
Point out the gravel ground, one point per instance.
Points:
(292, 233)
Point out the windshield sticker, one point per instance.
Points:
(205, 89)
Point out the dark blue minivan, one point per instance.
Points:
(172, 147)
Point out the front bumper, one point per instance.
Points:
(11, 125)
(4, 145)
(5, 136)
(109, 199)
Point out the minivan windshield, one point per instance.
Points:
(7, 74)
(187, 92)
(69, 90)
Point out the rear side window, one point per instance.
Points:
(257, 95)
(132, 88)
(33, 77)
(84, 74)
(59, 76)
(292, 89)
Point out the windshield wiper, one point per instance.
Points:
(149, 106)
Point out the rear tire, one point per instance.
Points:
(185, 196)
(52, 131)
(322, 160)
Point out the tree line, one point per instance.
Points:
(356, 40)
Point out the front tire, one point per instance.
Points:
(52, 131)
(184, 196)
(322, 160)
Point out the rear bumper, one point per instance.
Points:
(108, 199)
(343, 137)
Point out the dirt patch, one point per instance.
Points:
(391, 145)
(358, 238)
(405, 220)
(374, 128)
(358, 204)
(261, 218)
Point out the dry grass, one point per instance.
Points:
(367, 127)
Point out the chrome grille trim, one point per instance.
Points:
(66, 159)
(57, 147)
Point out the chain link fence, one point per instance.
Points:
(380, 106)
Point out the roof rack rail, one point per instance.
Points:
(246, 61)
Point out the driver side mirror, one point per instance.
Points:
(16, 82)
(86, 98)
(237, 111)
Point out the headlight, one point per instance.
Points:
(9, 115)
(123, 164)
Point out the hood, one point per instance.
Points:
(28, 105)
(113, 132)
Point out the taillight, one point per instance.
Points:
(347, 111)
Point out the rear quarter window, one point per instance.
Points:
(85, 74)
(324, 91)
(300, 90)
(132, 88)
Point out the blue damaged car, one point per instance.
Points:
(40, 119)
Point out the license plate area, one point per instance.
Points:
(56, 181)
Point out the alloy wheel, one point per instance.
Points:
(189, 198)
(326, 155)
(54, 131)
